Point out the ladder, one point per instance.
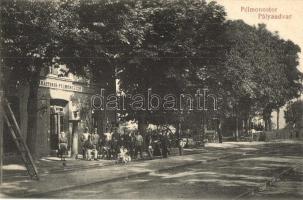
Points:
(19, 140)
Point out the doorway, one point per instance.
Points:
(56, 126)
(58, 122)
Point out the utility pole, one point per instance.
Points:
(1, 136)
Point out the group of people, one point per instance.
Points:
(123, 147)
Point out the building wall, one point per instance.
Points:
(282, 121)
(77, 95)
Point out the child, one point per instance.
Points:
(123, 156)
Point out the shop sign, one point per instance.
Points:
(60, 85)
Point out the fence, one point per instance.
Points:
(285, 133)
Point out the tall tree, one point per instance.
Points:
(261, 69)
(294, 115)
(86, 36)
(27, 48)
(181, 38)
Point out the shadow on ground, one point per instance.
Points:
(226, 179)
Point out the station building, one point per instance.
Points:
(64, 104)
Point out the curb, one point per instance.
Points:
(57, 170)
(74, 168)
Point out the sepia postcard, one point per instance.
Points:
(151, 99)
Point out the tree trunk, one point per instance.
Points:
(236, 115)
(142, 125)
(220, 130)
(243, 125)
(203, 126)
(249, 123)
(267, 118)
(237, 127)
(32, 115)
(268, 125)
(178, 129)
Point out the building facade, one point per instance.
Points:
(64, 104)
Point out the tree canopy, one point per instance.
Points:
(261, 68)
(166, 46)
(294, 114)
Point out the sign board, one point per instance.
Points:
(62, 85)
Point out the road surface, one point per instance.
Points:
(271, 171)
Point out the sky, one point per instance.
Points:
(291, 28)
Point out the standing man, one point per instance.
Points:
(83, 139)
(108, 143)
(139, 145)
(95, 139)
(164, 145)
(149, 145)
(115, 143)
(62, 145)
(132, 145)
(181, 145)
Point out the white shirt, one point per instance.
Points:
(108, 136)
(85, 136)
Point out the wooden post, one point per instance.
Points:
(278, 116)
(1, 136)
